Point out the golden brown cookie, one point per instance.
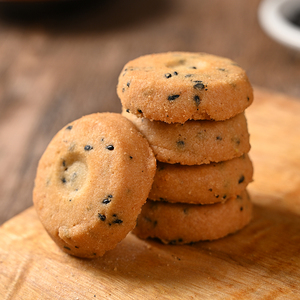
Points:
(178, 223)
(203, 184)
(180, 86)
(91, 183)
(195, 142)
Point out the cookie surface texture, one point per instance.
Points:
(195, 142)
(177, 223)
(203, 184)
(179, 86)
(91, 183)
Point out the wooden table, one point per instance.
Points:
(261, 261)
(61, 62)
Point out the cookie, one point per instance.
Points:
(195, 142)
(91, 183)
(178, 86)
(203, 184)
(177, 223)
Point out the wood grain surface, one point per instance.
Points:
(259, 262)
(61, 61)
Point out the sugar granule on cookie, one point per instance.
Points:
(91, 183)
(174, 87)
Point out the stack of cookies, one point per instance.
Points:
(190, 107)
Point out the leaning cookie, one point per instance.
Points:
(195, 142)
(203, 184)
(91, 183)
(178, 86)
(178, 223)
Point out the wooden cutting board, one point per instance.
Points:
(262, 261)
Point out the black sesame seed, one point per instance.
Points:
(128, 84)
(67, 248)
(64, 163)
(110, 147)
(219, 138)
(63, 180)
(248, 98)
(236, 140)
(106, 201)
(173, 97)
(101, 217)
(217, 196)
(123, 90)
(197, 100)
(241, 209)
(199, 86)
(180, 144)
(168, 75)
(175, 73)
(109, 196)
(88, 147)
(193, 67)
(69, 127)
(130, 157)
(76, 247)
(221, 69)
(140, 111)
(210, 190)
(127, 110)
(242, 178)
(117, 221)
(114, 215)
(180, 241)
(188, 75)
(225, 196)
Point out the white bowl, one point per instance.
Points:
(275, 18)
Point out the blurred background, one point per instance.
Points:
(60, 60)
